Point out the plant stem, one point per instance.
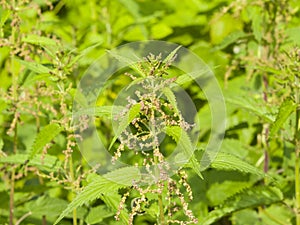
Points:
(161, 220)
(73, 179)
(161, 210)
(11, 198)
(297, 151)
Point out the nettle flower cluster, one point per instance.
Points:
(157, 191)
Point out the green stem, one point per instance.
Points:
(161, 210)
(73, 179)
(161, 218)
(11, 198)
(297, 151)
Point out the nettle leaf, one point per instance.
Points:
(97, 214)
(224, 161)
(112, 200)
(230, 39)
(100, 111)
(84, 52)
(128, 62)
(44, 137)
(185, 144)
(251, 106)
(248, 198)
(51, 207)
(45, 162)
(38, 40)
(104, 187)
(285, 110)
(189, 77)
(257, 20)
(35, 67)
(127, 119)
(171, 98)
(171, 55)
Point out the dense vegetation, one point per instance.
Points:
(48, 97)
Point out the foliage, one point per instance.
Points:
(252, 48)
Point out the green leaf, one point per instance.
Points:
(97, 214)
(45, 162)
(35, 67)
(171, 55)
(44, 137)
(134, 8)
(103, 186)
(39, 40)
(4, 16)
(171, 98)
(183, 140)
(224, 161)
(225, 190)
(128, 117)
(285, 110)
(83, 53)
(257, 20)
(101, 111)
(249, 198)
(231, 38)
(112, 200)
(51, 207)
(127, 62)
(1, 144)
(189, 77)
(160, 30)
(251, 106)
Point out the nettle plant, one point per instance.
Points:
(156, 114)
(155, 185)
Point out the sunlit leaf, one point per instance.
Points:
(286, 108)
(252, 197)
(44, 137)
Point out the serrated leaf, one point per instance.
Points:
(230, 39)
(189, 77)
(257, 21)
(184, 143)
(102, 187)
(171, 98)
(112, 200)
(128, 117)
(127, 62)
(83, 53)
(44, 137)
(285, 110)
(97, 214)
(225, 190)
(224, 161)
(35, 67)
(51, 207)
(251, 106)
(171, 55)
(249, 198)
(46, 162)
(39, 40)
(101, 111)
(124, 176)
